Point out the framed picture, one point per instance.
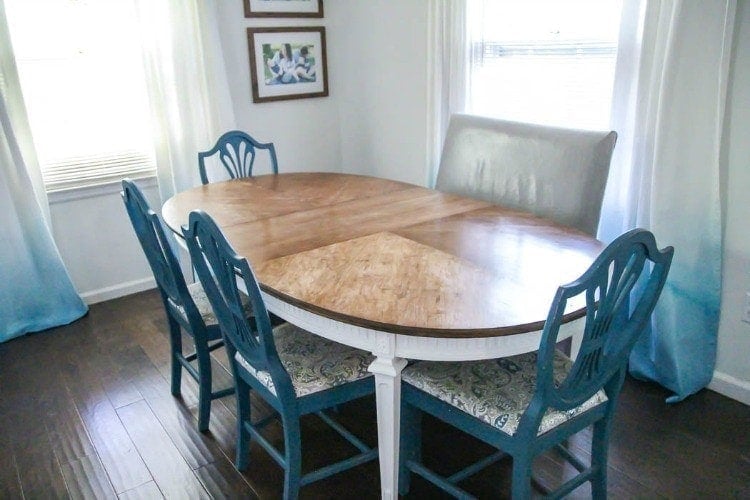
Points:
(287, 63)
(283, 8)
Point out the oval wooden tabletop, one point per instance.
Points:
(393, 256)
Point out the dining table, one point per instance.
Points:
(402, 271)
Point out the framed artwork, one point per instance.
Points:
(287, 63)
(283, 8)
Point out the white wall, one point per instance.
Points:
(380, 48)
(374, 119)
(305, 132)
(732, 376)
(97, 243)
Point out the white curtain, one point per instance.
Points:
(449, 73)
(10, 84)
(35, 290)
(187, 83)
(668, 109)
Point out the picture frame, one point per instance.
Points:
(276, 75)
(283, 8)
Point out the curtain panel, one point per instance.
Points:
(36, 292)
(448, 72)
(187, 85)
(668, 108)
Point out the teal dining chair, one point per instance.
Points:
(237, 152)
(294, 371)
(527, 404)
(186, 306)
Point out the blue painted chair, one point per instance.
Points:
(296, 372)
(186, 305)
(237, 152)
(525, 405)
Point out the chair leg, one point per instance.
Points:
(293, 457)
(521, 485)
(204, 385)
(242, 393)
(175, 340)
(599, 447)
(410, 444)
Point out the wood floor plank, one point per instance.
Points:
(68, 436)
(147, 491)
(553, 472)
(117, 452)
(222, 427)
(10, 481)
(146, 377)
(87, 479)
(39, 470)
(10, 484)
(264, 475)
(195, 447)
(655, 455)
(222, 480)
(113, 366)
(649, 429)
(171, 473)
(31, 397)
(151, 333)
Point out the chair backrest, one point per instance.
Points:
(219, 268)
(236, 151)
(556, 173)
(621, 289)
(162, 260)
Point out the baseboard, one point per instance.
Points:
(731, 387)
(119, 290)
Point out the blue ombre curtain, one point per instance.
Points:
(35, 290)
(668, 109)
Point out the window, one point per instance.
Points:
(82, 75)
(543, 61)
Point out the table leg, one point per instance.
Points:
(387, 373)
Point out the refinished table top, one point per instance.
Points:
(392, 256)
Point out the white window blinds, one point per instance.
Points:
(82, 76)
(543, 61)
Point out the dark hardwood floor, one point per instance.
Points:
(85, 412)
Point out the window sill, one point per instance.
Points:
(95, 190)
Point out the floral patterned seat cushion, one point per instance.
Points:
(495, 391)
(314, 363)
(204, 306)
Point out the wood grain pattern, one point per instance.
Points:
(261, 197)
(146, 491)
(392, 256)
(124, 465)
(86, 478)
(697, 448)
(222, 480)
(169, 469)
(301, 231)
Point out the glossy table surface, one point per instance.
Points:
(393, 256)
(399, 270)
